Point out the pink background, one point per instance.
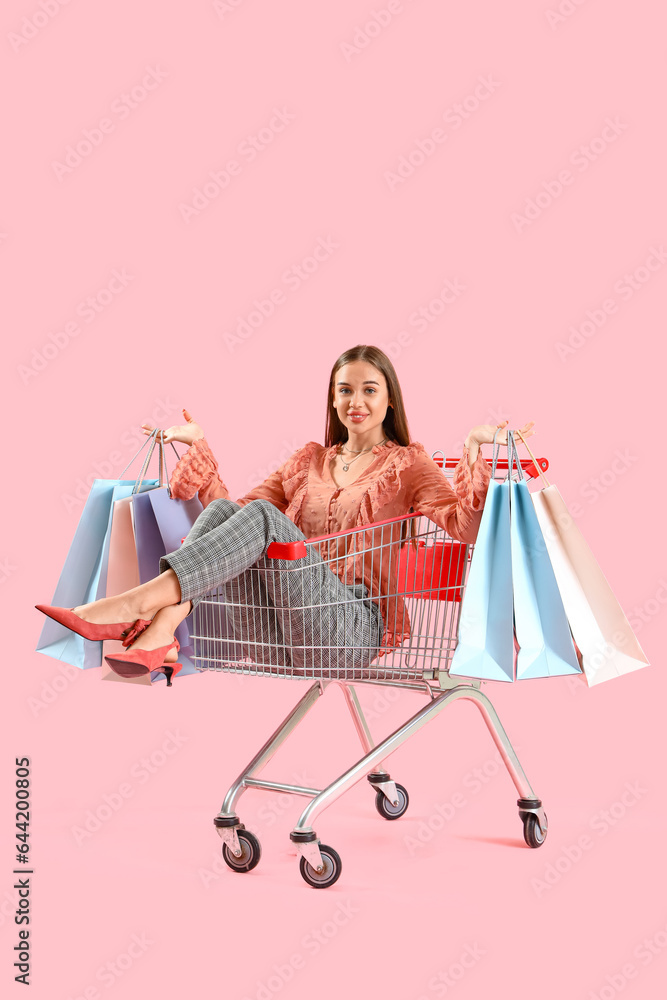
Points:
(577, 96)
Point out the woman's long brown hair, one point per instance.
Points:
(395, 424)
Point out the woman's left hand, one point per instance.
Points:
(483, 433)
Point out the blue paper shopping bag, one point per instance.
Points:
(485, 647)
(542, 631)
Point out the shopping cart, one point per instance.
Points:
(427, 572)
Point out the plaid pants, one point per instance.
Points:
(293, 613)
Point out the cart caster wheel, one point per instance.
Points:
(387, 808)
(250, 854)
(330, 872)
(532, 833)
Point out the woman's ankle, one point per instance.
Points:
(173, 615)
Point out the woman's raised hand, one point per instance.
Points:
(483, 434)
(185, 433)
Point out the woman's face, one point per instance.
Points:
(360, 397)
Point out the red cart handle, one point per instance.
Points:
(526, 464)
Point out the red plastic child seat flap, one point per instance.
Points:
(287, 550)
(434, 572)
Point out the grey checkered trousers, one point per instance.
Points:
(292, 612)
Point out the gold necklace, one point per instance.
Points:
(359, 454)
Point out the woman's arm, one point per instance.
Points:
(454, 504)
(457, 506)
(197, 470)
(197, 474)
(294, 473)
(473, 451)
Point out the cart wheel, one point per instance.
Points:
(251, 852)
(532, 833)
(330, 872)
(387, 808)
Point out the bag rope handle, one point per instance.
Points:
(153, 439)
(535, 462)
(136, 455)
(496, 453)
(144, 469)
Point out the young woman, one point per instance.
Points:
(367, 471)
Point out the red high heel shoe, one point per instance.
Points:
(139, 662)
(96, 633)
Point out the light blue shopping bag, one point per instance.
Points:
(542, 631)
(485, 647)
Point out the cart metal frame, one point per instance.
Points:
(432, 586)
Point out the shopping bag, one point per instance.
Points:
(84, 574)
(122, 574)
(485, 646)
(172, 520)
(160, 522)
(123, 568)
(147, 538)
(608, 647)
(543, 638)
(147, 526)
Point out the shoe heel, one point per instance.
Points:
(169, 670)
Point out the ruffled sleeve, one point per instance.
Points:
(472, 484)
(457, 505)
(197, 472)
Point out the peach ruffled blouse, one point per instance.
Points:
(399, 479)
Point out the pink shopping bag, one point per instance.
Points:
(608, 647)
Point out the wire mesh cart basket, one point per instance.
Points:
(236, 630)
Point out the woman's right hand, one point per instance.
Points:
(185, 433)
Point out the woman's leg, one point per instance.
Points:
(236, 622)
(224, 542)
(324, 623)
(140, 602)
(331, 629)
(308, 619)
(162, 591)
